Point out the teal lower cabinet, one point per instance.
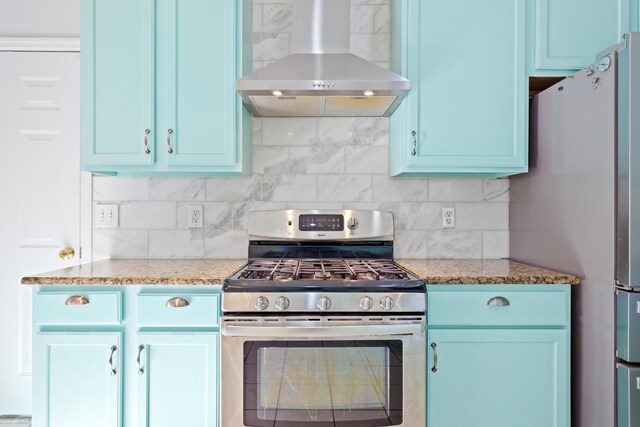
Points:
(77, 379)
(506, 366)
(498, 378)
(126, 356)
(177, 379)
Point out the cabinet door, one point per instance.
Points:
(196, 84)
(468, 106)
(498, 378)
(117, 82)
(77, 380)
(569, 33)
(178, 380)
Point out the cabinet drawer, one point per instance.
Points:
(176, 309)
(496, 308)
(628, 395)
(628, 326)
(78, 308)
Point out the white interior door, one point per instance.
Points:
(40, 187)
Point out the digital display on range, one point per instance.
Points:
(321, 223)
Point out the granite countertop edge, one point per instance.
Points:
(213, 272)
(484, 272)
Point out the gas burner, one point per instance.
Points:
(326, 261)
(322, 269)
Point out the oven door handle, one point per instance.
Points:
(322, 331)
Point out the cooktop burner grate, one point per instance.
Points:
(322, 269)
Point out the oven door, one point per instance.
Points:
(328, 371)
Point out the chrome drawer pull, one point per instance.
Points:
(111, 368)
(146, 142)
(169, 132)
(76, 300)
(498, 302)
(140, 368)
(435, 358)
(638, 383)
(415, 143)
(177, 302)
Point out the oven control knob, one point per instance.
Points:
(261, 303)
(282, 303)
(386, 303)
(324, 303)
(366, 303)
(353, 223)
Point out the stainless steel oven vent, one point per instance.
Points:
(321, 77)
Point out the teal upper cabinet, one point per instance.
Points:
(498, 378)
(117, 82)
(569, 33)
(199, 110)
(77, 379)
(158, 89)
(467, 111)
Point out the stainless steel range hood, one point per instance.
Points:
(321, 77)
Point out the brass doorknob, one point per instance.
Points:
(67, 253)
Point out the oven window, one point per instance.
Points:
(323, 383)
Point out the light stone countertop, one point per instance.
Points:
(141, 272)
(213, 272)
(484, 272)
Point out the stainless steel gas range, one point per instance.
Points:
(322, 327)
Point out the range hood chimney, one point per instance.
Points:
(321, 78)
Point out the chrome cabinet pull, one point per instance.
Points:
(177, 302)
(638, 383)
(169, 132)
(111, 368)
(415, 143)
(638, 307)
(76, 300)
(435, 358)
(140, 368)
(146, 141)
(498, 302)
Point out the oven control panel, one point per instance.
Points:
(321, 222)
(330, 302)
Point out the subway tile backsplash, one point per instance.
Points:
(326, 163)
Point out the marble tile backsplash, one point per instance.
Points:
(306, 163)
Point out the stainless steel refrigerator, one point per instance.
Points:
(578, 211)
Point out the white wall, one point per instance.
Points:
(39, 18)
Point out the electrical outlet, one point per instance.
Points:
(195, 217)
(107, 216)
(448, 218)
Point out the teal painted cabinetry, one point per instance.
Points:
(178, 384)
(500, 357)
(158, 88)
(90, 369)
(77, 379)
(118, 82)
(467, 111)
(498, 378)
(569, 33)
